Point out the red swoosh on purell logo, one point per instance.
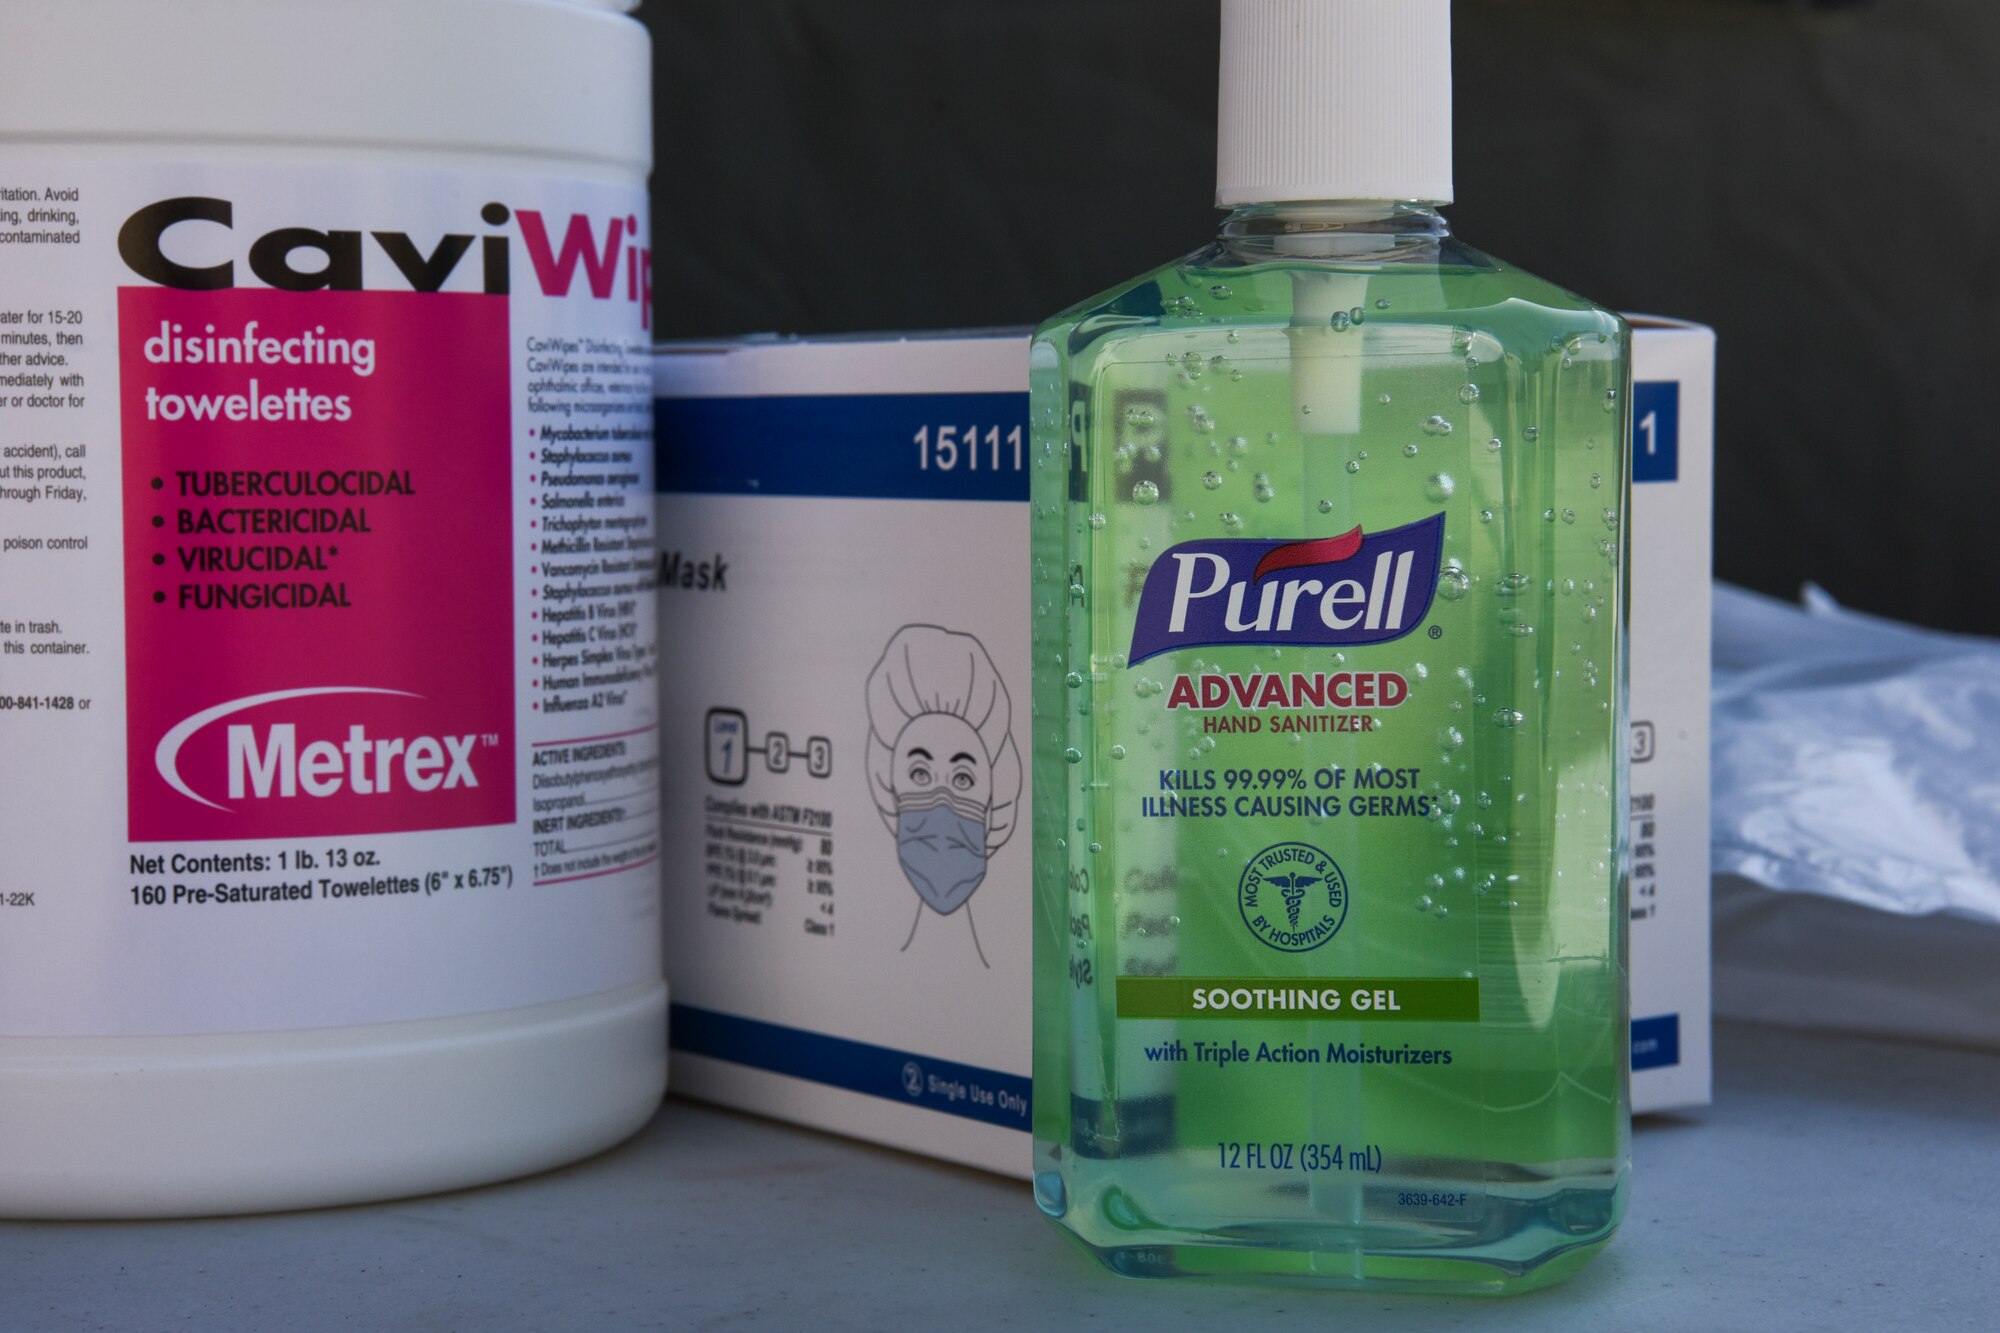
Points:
(1328, 551)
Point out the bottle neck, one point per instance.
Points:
(1372, 230)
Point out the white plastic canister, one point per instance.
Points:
(328, 745)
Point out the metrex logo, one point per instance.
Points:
(275, 764)
(361, 765)
(598, 249)
(1226, 592)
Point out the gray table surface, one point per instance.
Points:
(1836, 1183)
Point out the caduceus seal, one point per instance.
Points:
(1293, 897)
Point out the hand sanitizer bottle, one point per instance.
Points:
(1329, 713)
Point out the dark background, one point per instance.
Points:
(1820, 182)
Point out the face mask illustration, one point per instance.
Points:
(942, 764)
(943, 784)
(942, 848)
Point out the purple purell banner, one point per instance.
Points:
(1336, 591)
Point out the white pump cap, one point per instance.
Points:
(1334, 99)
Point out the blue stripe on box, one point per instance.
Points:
(876, 1071)
(874, 446)
(1656, 1042)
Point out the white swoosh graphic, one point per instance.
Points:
(166, 757)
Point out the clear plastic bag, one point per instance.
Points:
(1856, 758)
(1856, 774)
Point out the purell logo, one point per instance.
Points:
(607, 254)
(1357, 588)
(274, 761)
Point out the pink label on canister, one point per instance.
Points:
(317, 524)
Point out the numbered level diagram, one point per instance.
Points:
(730, 745)
(1645, 742)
